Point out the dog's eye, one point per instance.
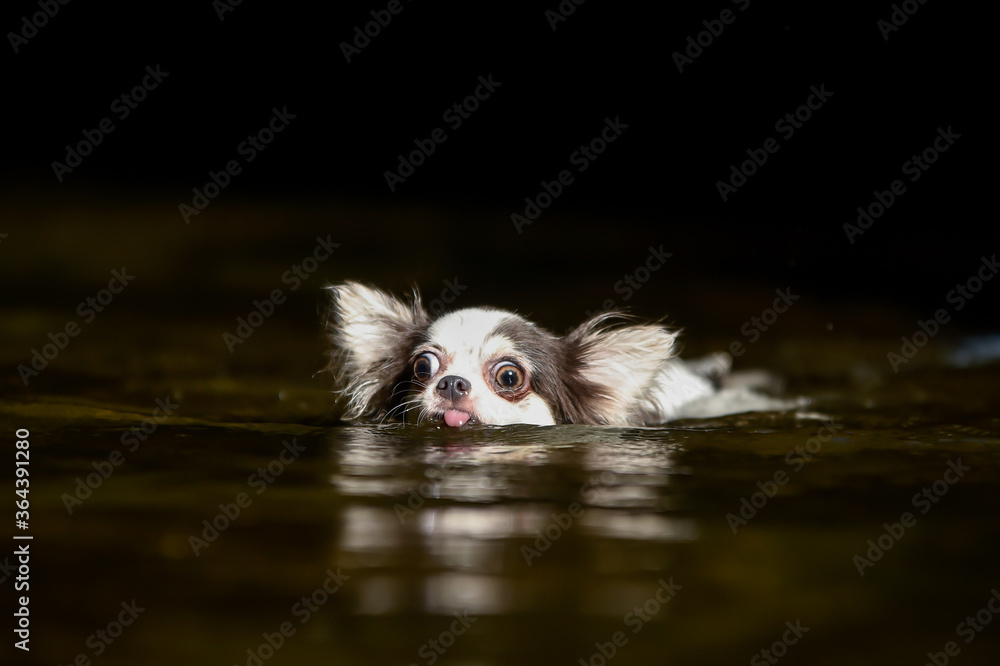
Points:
(509, 376)
(426, 366)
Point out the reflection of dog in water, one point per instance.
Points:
(390, 358)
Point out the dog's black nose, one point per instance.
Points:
(453, 387)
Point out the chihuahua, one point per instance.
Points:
(481, 365)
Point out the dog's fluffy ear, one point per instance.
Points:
(623, 365)
(372, 334)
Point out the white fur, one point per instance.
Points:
(635, 362)
(359, 336)
(627, 375)
(471, 346)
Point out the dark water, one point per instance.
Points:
(550, 543)
(168, 173)
(250, 527)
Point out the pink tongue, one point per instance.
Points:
(455, 418)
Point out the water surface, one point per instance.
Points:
(251, 527)
(691, 543)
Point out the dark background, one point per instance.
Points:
(655, 185)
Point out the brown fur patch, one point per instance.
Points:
(556, 372)
(378, 379)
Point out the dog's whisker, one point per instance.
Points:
(494, 367)
(390, 412)
(404, 407)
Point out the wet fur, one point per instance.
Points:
(608, 371)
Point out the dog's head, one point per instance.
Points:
(488, 366)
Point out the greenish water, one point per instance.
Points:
(552, 544)
(249, 526)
